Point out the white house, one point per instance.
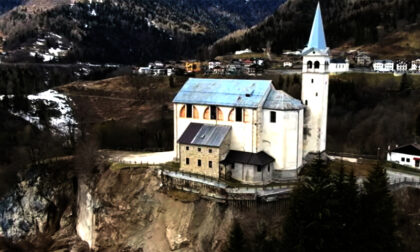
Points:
(415, 65)
(214, 63)
(383, 66)
(401, 66)
(408, 155)
(249, 131)
(145, 70)
(339, 65)
(243, 51)
(287, 64)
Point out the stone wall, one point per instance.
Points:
(205, 154)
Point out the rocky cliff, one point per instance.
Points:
(123, 210)
(128, 210)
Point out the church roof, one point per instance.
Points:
(224, 92)
(260, 158)
(279, 100)
(317, 38)
(204, 135)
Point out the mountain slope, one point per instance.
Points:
(357, 22)
(134, 30)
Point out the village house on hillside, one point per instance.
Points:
(339, 65)
(401, 66)
(408, 155)
(415, 65)
(383, 66)
(246, 129)
(363, 59)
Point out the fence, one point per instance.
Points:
(395, 184)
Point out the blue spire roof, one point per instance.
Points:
(317, 39)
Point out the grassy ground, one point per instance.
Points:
(120, 166)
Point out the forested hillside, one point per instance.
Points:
(357, 22)
(133, 30)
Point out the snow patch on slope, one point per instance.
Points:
(52, 99)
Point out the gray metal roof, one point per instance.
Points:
(204, 135)
(279, 100)
(224, 92)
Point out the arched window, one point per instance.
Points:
(195, 113)
(219, 114)
(317, 64)
(213, 113)
(309, 64)
(206, 115)
(183, 112)
(231, 115)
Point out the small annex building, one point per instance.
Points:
(202, 147)
(249, 168)
(408, 155)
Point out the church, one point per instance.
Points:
(247, 130)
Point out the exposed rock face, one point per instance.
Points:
(42, 204)
(127, 210)
(133, 213)
(120, 211)
(37, 204)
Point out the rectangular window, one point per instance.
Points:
(187, 147)
(407, 160)
(239, 114)
(210, 150)
(402, 159)
(213, 113)
(417, 163)
(187, 161)
(259, 168)
(189, 111)
(210, 164)
(273, 116)
(199, 149)
(199, 162)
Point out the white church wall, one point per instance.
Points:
(282, 139)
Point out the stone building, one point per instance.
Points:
(202, 147)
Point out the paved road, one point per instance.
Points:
(138, 157)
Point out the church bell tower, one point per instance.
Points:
(315, 83)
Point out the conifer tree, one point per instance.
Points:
(309, 223)
(345, 208)
(377, 224)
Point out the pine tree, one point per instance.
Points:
(405, 83)
(309, 223)
(345, 208)
(236, 239)
(376, 223)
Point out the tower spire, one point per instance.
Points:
(317, 38)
